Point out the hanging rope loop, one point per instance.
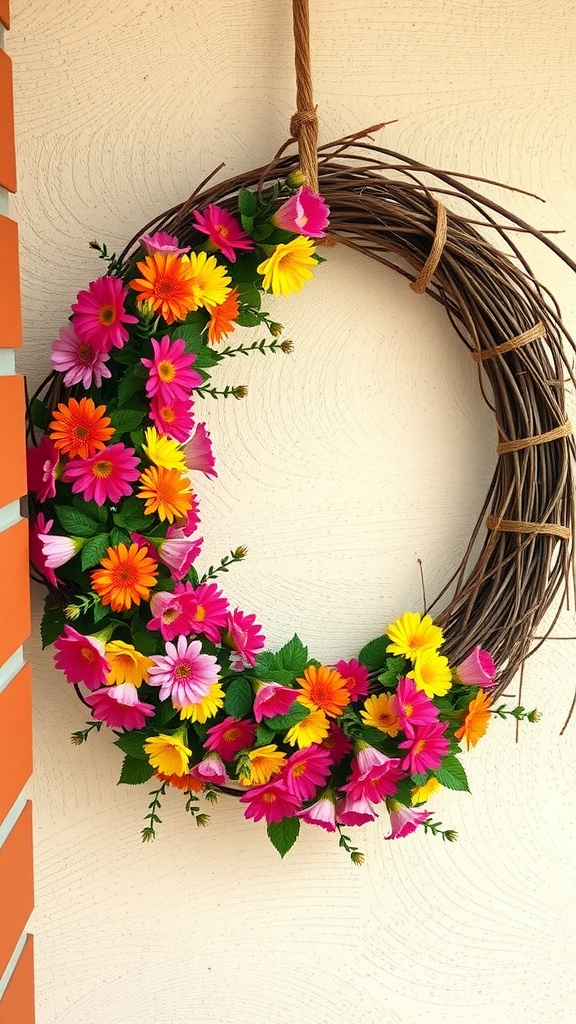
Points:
(304, 123)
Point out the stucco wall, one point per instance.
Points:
(365, 450)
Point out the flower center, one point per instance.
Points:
(269, 798)
(80, 431)
(85, 353)
(168, 414)
(298, 770)
(166, 371)
(125, 575)
(386, 719)
(419, 747)
(107, 315)
(222, 230)
(88, 654)
(170, 615)
(200, 613)
(183, 670)
(231, 735)
(102, 469)
(408, 710)
(164, 287)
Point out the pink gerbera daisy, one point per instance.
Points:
(170, 376)
(223, 230)
(120, 707)
(230, 736)
(179, 551)
(42, 465)
(161, 241)
(404, 820)
(273, 699)
(172, 418)
(246, 637)
(107, 476)
(81, 658)
(355, 677)
(337, 743)
(306, 770)
(426, 746)
(322, 813)
(100, 315)
(38, 528)
(413, 706)
(198, 452)
(208, 609)
(185, 674)
(273, 801)
(81, 361)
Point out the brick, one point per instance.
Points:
(15, 743)
(11, 326)
(17, 1003)
(12, 429)
(16, 884)
(15, 589)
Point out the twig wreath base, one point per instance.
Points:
(514, 570)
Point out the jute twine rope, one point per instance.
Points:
(304, 123)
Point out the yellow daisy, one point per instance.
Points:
(412, 633)
(431, 673)
(209, 277)
(380, 712)
(312, 729)
(168, 754)
(207, 707)
(288, 266)
(420, 794)
(264, 763)
(163, 451)
(127, 665)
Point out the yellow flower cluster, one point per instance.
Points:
(416, 637)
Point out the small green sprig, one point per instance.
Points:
(80, 737)
(82, 604)
(230, 391)
(225, 563)
(356, 856)
(258, 346)
(103, 254)
(519, 713)
(149, 831)
(434, 827)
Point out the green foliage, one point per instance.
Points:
(131, 383)
(395, 667)
(99, 513)
(247, 203)
(95, 549)
(144, 641)
(118, 536)
(264, 735)
(283, 834)
(238, 699)
(249, 295)
(125, 420)
(280, 723)
(292, 658)
(131, 516)
(132, 743)
(52, 624)
(451, 774)
(39, 414)
(373, 654)
(246, 318)
(135, 771)
(196, 344)
(75, 522)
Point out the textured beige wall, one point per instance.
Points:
(367, 449)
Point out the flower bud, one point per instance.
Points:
(202, 820)
(357, 858)
(296, 178)
(275, 329)
(534, 716)
(451, 835)
(287, 346)
(240, 391)
(240, 552)
(72, 611)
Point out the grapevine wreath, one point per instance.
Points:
(147, 636)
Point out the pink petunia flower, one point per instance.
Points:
(355, 809)
(161, 241)
(184, 673)
(404, 820)
(198, 452)
(170, 377)
(426, 746)
(207, 607)
(151, 551)
(374, 775)
(106, 477)
(223, 230)
(273, 801)
(172, 418)
(57, 550)
(322, 813)
(273, 699)
(211, 769)
(179, 551)
(230, 736)
(478, 669)
(38, 528)
(246, 637)
(100, 315)
(43, 468)
(81, 361)
(305, 213)
(120, 707)
(189, 525)
(306, 770)
(170, 614)
(81, 658)
(413, 706)
(337, 743)
(355, 677)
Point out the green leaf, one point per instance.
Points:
(283, 834)
(419, 778)
(39, 414)
(262, 231)
(130, 384)
(99, 513)
(75, 522)
(132, 743)
(52, 624)
(293, 656)
(250, 295)
(246, 318)
(238, 700)
(196, 344)
(277, 675)
(125, 420)
(134, 771)
(395, 667)
(100, 611)
(131, 516)
(280, 723)
(451, 774)
(165, 713)
(118, 536)
(264, 735)
(247, 223)
(247, 203)
(373, 654)
(145, 642)
(95, 549)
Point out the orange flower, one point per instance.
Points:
(168, 284)
(166, 492)
(380, 711)
(222, 318)
(126, 578)
(325, 690)
(186, 782)
(476, 722)
(80, 428)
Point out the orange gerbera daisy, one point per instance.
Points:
(186, 782)
(169, 284)
(126, 577)
(324, 689)
(476, 722)
(223, 317)
(381, 712)
(80, 428)
(166, 492)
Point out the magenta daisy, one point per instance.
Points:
(161, 241)
(306, 770)
(355, 809)
(81, 361)
(107, 476)
(210, 769)
(426, 746)
(223, 230)
(38, 528)
(322, 813)
(172, 418)
(185, 674)
(404, 820)
(100, 315)
(273, 801)
(246, 637)
(355, 677)
(179, 551)
(413, 706)
(81, 658)
(43, 468)
(198, 452)
(337, 743)
(230, 736)
(119, 707)
(207, 607)
(170, 377)
(273, 699)
(170, 614)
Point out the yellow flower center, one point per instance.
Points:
(88, 654)
(222, 230)
(170, 614)
(200, 613)
(182, 671)
(166, 371)
(269, 798)
(419, 747)
(168, 414)
(231, 735)
(299, 770)
(408, 710)
(107, 315)
(80, 432)
(102, 469)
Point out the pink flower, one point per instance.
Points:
(119, 707)
(185, 674)
(230, 736)
(42, 465)
(322, 813)
(355, 677)
(81, 658)
(107, 476)
(272, 801)
(57, 550)
(38, 528)
(161, 241)
(404, 820)
(273, 699)
(151, 551)
(198, 452)
(478, 669)
(170, 377)
(413, 707)
(178, 551)
(189, 525)
(374, 775)
(246, 637)
(81, 361)
(99, 314)
(426, 746)
(172, 418)
(306, 770)
(337, 743)
(170, 614)
(305, 213)
(207, 607)
(210, 769)
(355, 809)
(223, 230)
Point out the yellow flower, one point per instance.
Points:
(420, 794)
(312, 729)
(127, 665)
(264, 763)
(164, 451)
(168, 754)
(476, 721)
(210, 278)
(380, 713)
(431, 673)
(412, 633)
(288, 267)
(207, 707)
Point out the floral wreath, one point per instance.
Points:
(148, 639)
